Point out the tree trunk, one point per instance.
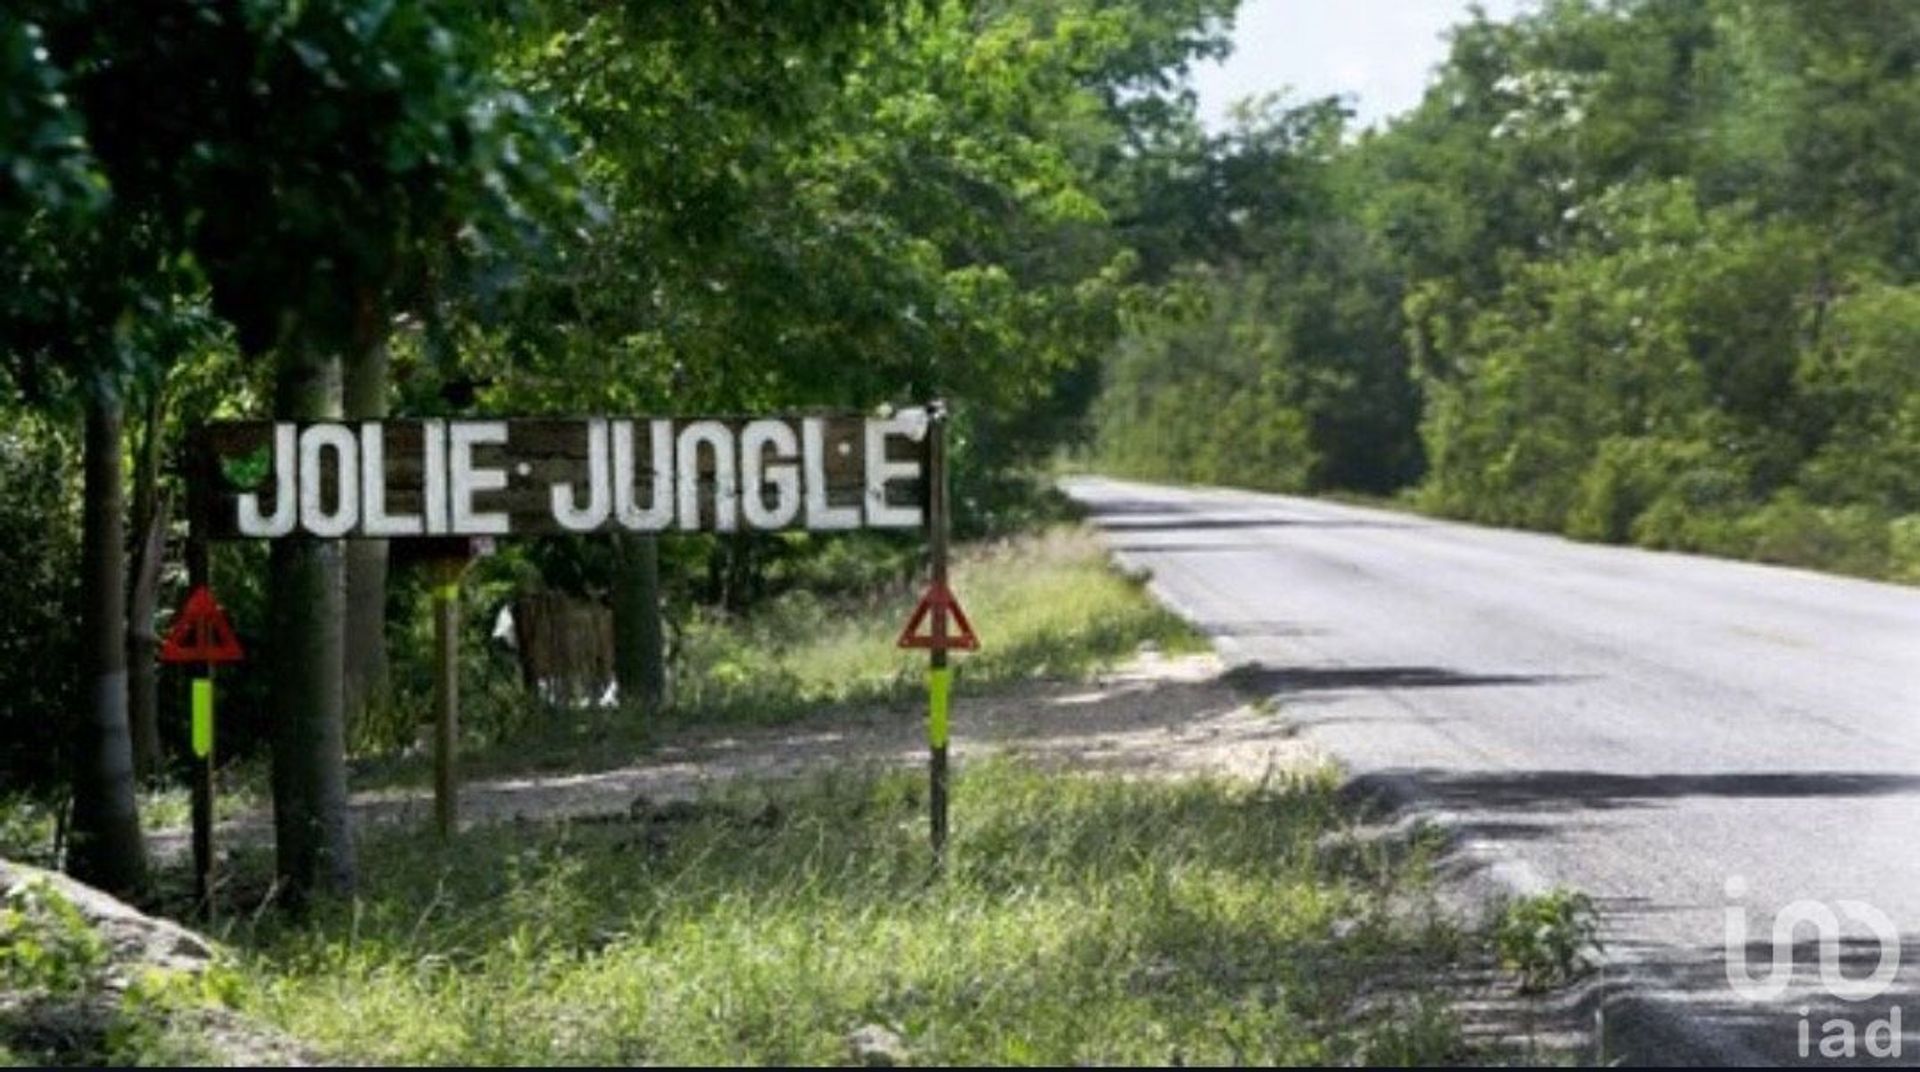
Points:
(639, 653)
(150, 516)
(105, 848)
(306, 605)
(365, 397)
(143, 642)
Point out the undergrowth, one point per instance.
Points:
(1081, 920)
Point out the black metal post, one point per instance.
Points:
(938, 673)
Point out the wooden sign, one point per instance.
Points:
(439, 478)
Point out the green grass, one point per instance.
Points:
(1083, 919)
(241, 789)
(1046, 605)
(28, 822)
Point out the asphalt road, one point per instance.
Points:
(1690, 741)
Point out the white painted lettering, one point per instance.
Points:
(465, 480)
(757, 475)
(314, 516)
(286, 498)
(433, 496)
(881, 472)
(719, 441)
(373, 488)
(820, 514)
(566, 509)
(658, 513)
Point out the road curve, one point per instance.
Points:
(1694, 742)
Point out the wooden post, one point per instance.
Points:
(446, 693)
(938, 679)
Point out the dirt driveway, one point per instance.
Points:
(1153, 716)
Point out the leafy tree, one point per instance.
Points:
(1302, 325)
(65, 329)
(900, 207)
(1638, 266)
(319, 160)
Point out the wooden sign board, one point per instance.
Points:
(450, 478)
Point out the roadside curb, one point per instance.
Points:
(1619, 1020)
(1613, 1015)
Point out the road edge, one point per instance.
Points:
(1636, 1028)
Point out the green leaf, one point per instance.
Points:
(246, 471)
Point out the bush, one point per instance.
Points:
(1903, 549)
(1214, 399)
(1548, 939)
(47, 948)
(1630, 475)
(1791, 531)
(40, 558)
(1865, 386)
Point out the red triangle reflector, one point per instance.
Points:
(200, 633)
(938, 610)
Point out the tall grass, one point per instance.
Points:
(1082, 920)
(1043, 605)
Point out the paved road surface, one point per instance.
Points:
(1654, 729)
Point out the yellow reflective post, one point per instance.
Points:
(200, 738)
(203, 718)
(939, 688)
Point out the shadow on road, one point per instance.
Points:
(1261, 629)
(1130, 507)
(1517, 806)
(1681, 1001)
(1574, 790)
(1134, 547)
(1281, 682)
(1201, 524)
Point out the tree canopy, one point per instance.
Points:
(361, 207)
(1634, 270)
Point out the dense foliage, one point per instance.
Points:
(1633, 270)
(230, 208)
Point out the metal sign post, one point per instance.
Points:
(939, 674)
(937, 610)
(202, 734)
(201, 634)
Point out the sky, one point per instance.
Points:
(1381, 51)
